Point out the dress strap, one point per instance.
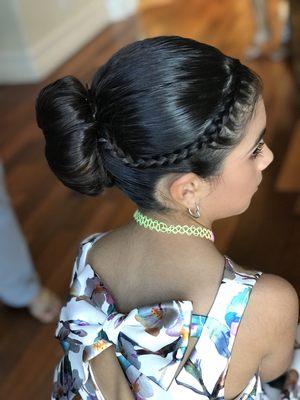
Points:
(206, 368)
(85, 245)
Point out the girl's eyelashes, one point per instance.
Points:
(258, 149)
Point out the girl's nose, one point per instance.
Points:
(267, 158)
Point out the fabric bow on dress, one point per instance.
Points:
(148, 340)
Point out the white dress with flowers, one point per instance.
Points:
(150, 341)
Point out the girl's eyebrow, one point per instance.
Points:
(259, 138)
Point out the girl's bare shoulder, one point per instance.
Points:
(271, 288)
(274, 300)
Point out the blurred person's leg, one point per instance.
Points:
(286, 31)
(20, 285)
(263, 33)
(19, 282)
(262, 29)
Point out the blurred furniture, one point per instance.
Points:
(295, 43)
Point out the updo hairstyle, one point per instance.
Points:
(161, 105)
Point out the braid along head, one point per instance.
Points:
(216, 134)
(162, 160)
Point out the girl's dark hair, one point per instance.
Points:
(161, 105)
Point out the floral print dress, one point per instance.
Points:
(150, 341)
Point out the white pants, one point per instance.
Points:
(19, 282)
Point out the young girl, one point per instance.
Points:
(155, 310)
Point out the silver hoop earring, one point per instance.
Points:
(197, 212)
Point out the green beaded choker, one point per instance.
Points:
(160, 226)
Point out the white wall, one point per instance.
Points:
(37, 36)
(120, 9)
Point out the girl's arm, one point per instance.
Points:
(110, 377)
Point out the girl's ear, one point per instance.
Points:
(188, 190)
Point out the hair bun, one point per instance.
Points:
(66, 111)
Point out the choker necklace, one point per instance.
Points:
(160, 226)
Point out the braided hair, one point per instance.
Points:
(161, 105)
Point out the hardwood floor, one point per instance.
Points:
(54, 219)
